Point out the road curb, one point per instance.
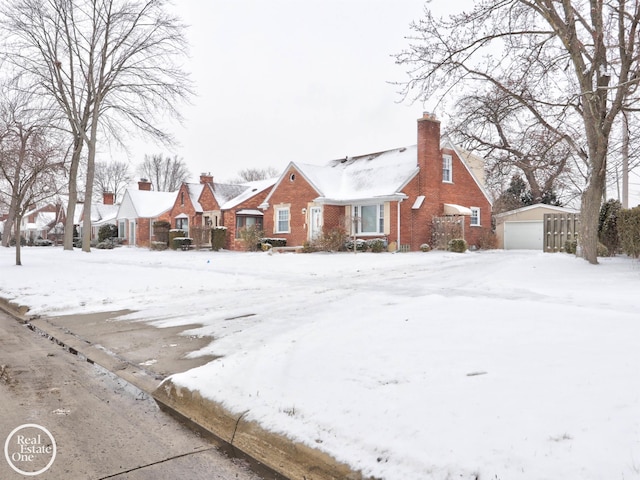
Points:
(272, 455)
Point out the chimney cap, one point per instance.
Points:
(429, 115)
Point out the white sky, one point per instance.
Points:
(284, 80)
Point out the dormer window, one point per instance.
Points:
(182, 198)
(447, 168)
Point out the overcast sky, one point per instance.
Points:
(289, 80)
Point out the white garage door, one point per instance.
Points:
(523, 235)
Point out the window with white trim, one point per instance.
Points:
(447, 168)
(369, 219)
(282, 220)
(475, 216)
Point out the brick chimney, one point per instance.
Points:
(108, 198)
(429, 154)
(144, 184)
(206, 178)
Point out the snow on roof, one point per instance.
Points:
(367, 176)
(149, 203)
(101, 213)
(250, 189)
(224, 192)
(195, 190)
(535, 206)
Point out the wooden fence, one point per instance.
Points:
(558, 229)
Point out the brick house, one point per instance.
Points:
(41, 221)
(198, 207)
(395, 194)
(101, 214)
(138, 210)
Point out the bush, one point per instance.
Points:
(251, 237)
(161, 231)
(361, 245)
(608, 226)
(331, 241)
(309, 247)
(458, 245)
(175, 233)
(160, 246)
(107, 232)
(377, 245)
(488, 241)
(629, 229)
(183, 243)
(425, 247)
(218, 238)
(106, 245)
(273, 242)
(602, 250)
(571, 246)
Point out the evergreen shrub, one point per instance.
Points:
(218, 238)
(629, 229)
(457, 245)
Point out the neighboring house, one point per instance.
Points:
(139, 209)
(101, 214)
(200, 206)
(40, 222)
(395, 194)
(523, 228)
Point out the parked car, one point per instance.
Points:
(42, 242)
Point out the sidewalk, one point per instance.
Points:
(144, 356)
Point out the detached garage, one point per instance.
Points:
(523, 229)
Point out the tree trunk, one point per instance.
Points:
(8, 225)
(73, 194)
(590, 207)
(18, 246)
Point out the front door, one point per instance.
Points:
(315, 222)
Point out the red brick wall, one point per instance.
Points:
(297, 193)
(463, 190)
(229, 219)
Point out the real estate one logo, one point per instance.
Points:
(30, 449)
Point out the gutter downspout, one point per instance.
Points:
(398, 247)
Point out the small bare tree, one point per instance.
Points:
(166, 174)
(29, 164)
(111, 177)
(255, 174)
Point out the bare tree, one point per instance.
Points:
(166, 174)
(573, 65)
(111, 177)
(29, 162)
(106, 63)
(255, 174)
(513, 143)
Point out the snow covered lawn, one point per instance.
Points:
(491, 365)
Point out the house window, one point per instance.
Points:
(121, 229)
(282, 220)
(182, 224)
(244, 221)
(475, 216)
(447, 173)
(182, 199)
(369, 219)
